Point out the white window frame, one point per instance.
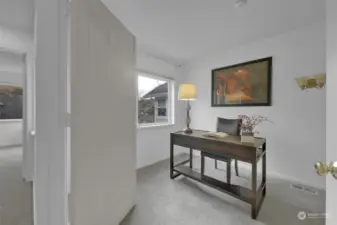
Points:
(170, 100)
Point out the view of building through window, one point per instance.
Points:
(153, 101)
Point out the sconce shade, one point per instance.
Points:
(317, 81)
(187, 92)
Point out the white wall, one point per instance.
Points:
(11, 77)
(15, 40)
(153, 144)
(17, 14)
(103, 108)
(296, 138)
(16, 25)
(10, 133)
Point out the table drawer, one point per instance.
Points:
(216, 148)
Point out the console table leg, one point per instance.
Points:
(229, 171)
(254, 182)
(264, 169)
(191, 158)
(254, 214)
(171, 158)
(202, 164)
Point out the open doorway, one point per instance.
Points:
(16, 195)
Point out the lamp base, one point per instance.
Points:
(188, 130)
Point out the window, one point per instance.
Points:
(155, 100)
(162, 107)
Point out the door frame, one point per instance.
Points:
(28, 118)
(331, 110)
(28, 77)
(27, 141)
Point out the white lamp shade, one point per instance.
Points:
(187, 92)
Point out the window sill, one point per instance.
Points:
(141, 127)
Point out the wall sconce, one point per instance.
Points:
(316, 81)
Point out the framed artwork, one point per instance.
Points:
(10, 102)
(244, 84)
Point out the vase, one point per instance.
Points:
(247, 137)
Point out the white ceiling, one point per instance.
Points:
(181, 30)
(17, 15)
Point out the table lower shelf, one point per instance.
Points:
(236, 191)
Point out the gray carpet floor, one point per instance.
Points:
(162, 201)
(16, 207)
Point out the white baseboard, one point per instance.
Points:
(155, 161)
(10, 146)
(294, 180)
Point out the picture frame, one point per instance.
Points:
(11, 102)
(243, 84)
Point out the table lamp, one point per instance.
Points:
(187, 92)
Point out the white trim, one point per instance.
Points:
(68, 114)
(291, 179)
(15, 51)
(11, 121)
(172, 102)
(154, 125)
(331, 109)
(9, 84)
(25, 139)
(273, 174)
(153, 75)
(28, 135)
(10, 146)
(50, 178)
(37, 216)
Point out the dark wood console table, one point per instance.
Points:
(230, 146)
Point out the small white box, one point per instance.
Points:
(247, 139)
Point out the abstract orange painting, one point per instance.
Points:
(244, 84)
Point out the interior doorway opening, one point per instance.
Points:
(16, 152)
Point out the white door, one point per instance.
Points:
(103, 116)
(331, 120)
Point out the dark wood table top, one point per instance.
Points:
(201, 134)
